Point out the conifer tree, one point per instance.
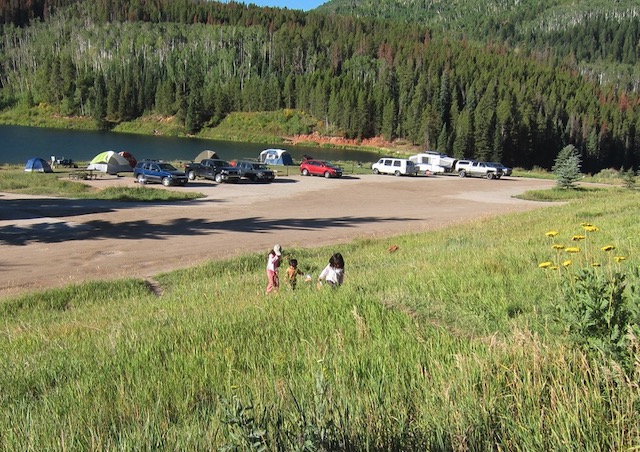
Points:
(567, 167)
(99, 106)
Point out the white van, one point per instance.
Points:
(397, 167)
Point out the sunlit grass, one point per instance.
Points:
(53, 184)
(452, 342)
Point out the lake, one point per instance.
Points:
(21, 143)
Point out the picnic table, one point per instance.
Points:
(83, 174)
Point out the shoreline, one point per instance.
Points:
(165, 127)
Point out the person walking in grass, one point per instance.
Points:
(273, 263)
(333, 273)
(292, 273)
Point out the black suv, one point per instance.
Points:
(255, 171)
(148, 171)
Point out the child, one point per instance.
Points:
(273, 263)
(333, 273)
(292, 273)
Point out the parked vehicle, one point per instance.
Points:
(254, 171)
(433, 162)
(149, 171)
(506, 171)
(477, 169)
(67, 163)
(397, 167)
(311, 167)
(213, 169)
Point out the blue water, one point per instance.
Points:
(18, 144)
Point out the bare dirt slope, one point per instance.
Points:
(51, 242)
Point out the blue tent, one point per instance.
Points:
(36, 164)
(276, 157)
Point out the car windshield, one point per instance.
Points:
(167, 167)
(259, 166)
(330, 165)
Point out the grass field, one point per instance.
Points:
(56, 184)
(456, 341)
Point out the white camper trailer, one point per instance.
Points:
(431, 162)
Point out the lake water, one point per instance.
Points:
(18, 144)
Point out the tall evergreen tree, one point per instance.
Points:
(99, 106)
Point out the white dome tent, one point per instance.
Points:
(109, 162)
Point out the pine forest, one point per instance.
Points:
(360, 77)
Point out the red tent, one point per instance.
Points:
(130, 158)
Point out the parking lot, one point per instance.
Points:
(51, 242)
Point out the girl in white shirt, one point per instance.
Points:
(333, 273)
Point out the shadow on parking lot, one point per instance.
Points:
(30, 209)
(55, 232)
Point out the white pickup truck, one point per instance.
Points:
(477, 169)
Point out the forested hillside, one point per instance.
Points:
(115, 60)
(599, 37)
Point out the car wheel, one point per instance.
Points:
(462, 173)
(166, 181)
(218, 178)
(141, 180)
(327, 174)
(490, 176)
(498, 177)
(397, 173)
(305, 172)
(191, 175)
(375, 171)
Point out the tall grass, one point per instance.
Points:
(452, 342)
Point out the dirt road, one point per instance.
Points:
(51, 242)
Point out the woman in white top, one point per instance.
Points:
(333, 273)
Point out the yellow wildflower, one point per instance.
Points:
(553, 267)
(608, 248)
(620, 258)
(572, 249)
(595, 264)
(551, 233)
(567, 263)
(557, 246)
(544, 265)
(577, 238)
(585, 224)
(591, 228)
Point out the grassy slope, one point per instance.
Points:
(450, 342)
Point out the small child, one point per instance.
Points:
(273, 262)
(292, 273)
(333, 273)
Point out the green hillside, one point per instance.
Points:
(196, 62)
(601, 37)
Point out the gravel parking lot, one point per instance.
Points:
(51, 242)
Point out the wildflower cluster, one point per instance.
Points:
(579, 250)
(601, 308)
